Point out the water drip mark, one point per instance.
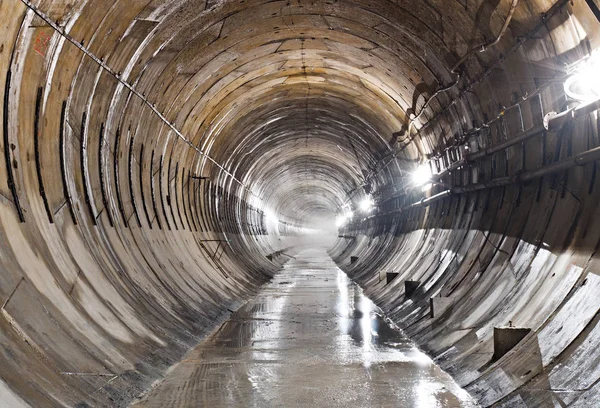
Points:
(63, 168)
(152, 192)
(502, 196)
(116, 172)
(7, 147)
(130, 179)
(176, 179)
(195, 205)
(592, 179)
(192, 189)
(74, 282)
(141, 181)
(457, 208)
(38, 160)
(188, 193)
(84, 169)
(523, 156)
(170, 191)
(101, 172)
(189, 188)
(519, 196)
(187, 219)
(563, 183)
(475, 205)
(539, 190)
(160, 190)
(202, 213)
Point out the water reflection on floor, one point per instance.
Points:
(309, 339)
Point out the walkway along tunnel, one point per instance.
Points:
(161, 160)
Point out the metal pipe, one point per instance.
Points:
(519, 137)
(498, 182)
(580, 159)
(484, 47)
(480, 48)
(552, 122)
(451, 168)
(550, 13)
(553, 10)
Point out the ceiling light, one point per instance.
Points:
(366, 204)
(584, 84)
(342, 219)
(422, 175)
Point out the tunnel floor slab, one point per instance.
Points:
(310, 338)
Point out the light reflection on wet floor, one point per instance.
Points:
(309, 339)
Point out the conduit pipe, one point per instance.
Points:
(480, 48)
(414, 118)
(580, 159)
(485, 46)
(552, 122)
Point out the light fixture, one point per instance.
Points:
(366, 204)
(422, 175)
(342, 219)
(584, 84)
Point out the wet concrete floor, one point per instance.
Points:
(308, 339)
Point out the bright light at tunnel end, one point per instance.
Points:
(271, 217)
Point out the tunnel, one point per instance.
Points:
(164, 161)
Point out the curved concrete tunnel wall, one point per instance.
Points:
(156, 151)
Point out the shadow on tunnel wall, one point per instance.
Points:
(522, 255)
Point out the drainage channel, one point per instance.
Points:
(310, 338)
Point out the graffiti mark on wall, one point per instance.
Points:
(41, 43)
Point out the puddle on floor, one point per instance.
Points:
(310, 338)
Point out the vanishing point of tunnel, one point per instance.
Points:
(299, 203)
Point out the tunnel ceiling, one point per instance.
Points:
(255, 86)
(163, 159)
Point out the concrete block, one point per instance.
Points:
(439, 305)
(410, 288)
(390, 276)
(506, 338)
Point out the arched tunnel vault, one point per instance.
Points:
(160, 157)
